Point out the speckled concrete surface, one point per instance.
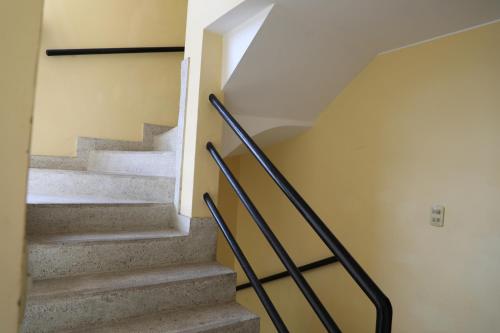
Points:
(79, 199)
(81, 183)
(58, 162)
(73, 218)
(86, 145)
(166, 141)
(146, 163)
(88, 300)
(60, 255)
(217, 318)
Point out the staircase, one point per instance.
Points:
(108, 253)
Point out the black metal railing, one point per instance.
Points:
(299, 279)
(378, 298)
(261, 293)
(113, 50)
(284, 274)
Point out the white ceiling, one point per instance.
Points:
(306, 52)
(300, 56)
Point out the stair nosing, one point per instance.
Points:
(96, 173)
(223, 272)
(245, 316)
(99, 204)
(133, 152)
(167, 233)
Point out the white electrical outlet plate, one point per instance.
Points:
(437, 215)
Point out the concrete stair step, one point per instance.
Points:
(167, 141)
(147, 163)
(60, 304)
(105, 237)
(85, 218)
(68, 254)
(86, 145)
(71, 183)
(216, 318)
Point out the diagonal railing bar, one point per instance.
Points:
(378, 298)
(247, 268)
(278, 248)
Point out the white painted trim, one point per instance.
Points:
(179, 155)
(440, 36)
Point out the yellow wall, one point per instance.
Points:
(202, 124)
(417, 127)
(19, 36)
(228, 207)
(106, 96)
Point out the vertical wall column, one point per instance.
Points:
(20, 37)
(204, 49)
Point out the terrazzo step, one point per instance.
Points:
(63, 255)
(53, 182)
(61, 304)
(167, 141)
(217, 318)
(87, 218)
(86, 145)
(148, 163)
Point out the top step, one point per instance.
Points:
(145, 163)
(154, 138)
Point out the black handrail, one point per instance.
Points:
(284, 274)
(378, 298)
(299, 279)
(113, 50)
(261, 293)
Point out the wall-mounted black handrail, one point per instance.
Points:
(113, 50)
(284, 274)
(299, 279)
(261, 293)
(378, 298)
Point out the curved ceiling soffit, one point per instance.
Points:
(264, 131)
(302, 55)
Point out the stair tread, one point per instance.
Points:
(68, 238)
(135, 152)
(198, 319)
(99, 204)
(41, 199)
(112, 281)
(95, 173)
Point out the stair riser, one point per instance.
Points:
(46, 219)
(59, 260)
(166, 141)
(147, 164)
(59, 313)
(53, 183)
(248, 326)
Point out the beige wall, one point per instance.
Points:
(106, 96)
(417, 127)
(228, 207)
(204, 49)
(19, 37)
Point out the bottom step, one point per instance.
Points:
(219, 318)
